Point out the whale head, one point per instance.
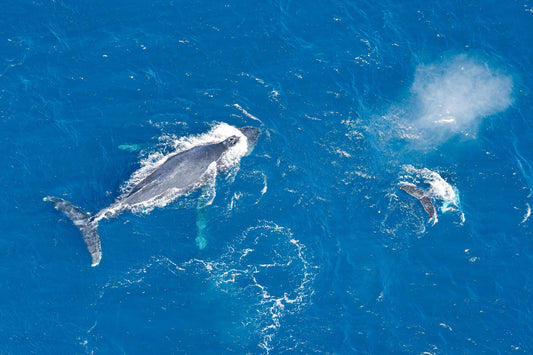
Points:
(231, 141)
(252, 134)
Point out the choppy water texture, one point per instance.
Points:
(306, 245)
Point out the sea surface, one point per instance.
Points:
(306, 245)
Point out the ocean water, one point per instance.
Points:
(307, 245)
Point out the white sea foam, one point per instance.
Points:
(263, 251)
(239, 107)
(265, 185)
(527, 214)
(525, 167)
(268, 266)
(236, 196)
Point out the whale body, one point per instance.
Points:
(180, 173)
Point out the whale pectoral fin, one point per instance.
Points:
(201, 224)
(413, 191)
(428, 206)
(87, 225)
(203, 206)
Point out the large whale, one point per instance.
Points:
(179, 174)
(422, 196)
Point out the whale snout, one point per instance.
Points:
(252, 134)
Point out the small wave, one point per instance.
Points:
(265, 185)
(527, 174)
(527, 215)
(249, 195)
(236, 196)
(246, 113)
(525, 167)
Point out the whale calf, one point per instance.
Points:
(179, 174)
(422, 196)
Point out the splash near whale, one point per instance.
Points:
(172, 176)
(440, 196)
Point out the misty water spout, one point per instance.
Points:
(453, 97)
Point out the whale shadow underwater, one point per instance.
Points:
(179, 174)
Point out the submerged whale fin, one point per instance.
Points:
(84, 222)
(422, 196)
(428, 206)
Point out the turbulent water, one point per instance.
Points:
(305, 245)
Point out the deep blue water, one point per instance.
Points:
(311, 245)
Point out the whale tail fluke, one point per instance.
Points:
(84, 222)
(423, 197)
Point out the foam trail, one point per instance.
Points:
(265, 185)
(453, 96)
(528, 214)
(525, 168)
(527, 173)
(247, 113)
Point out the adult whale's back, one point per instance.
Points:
(182, 172)
(179, 171)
